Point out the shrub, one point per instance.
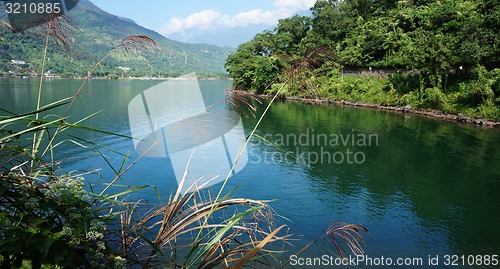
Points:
(112, 76)
(403, 83)
(50, 223)
(434, 98)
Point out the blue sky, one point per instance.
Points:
(220, 22)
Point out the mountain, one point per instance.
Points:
(96, 33)
(224, 37)
(232, 37)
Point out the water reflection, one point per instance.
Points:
(202, 140)
(429, 187)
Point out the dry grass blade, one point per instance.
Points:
(60, 29)
(254, 251)
(242, 101)
(126, 219)
(224, 240)
(2, 22)
(232, 250)
(348, 233)
(219, 255)
(176, 217)
(136, 43)
(339, 233)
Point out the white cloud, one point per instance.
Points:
(296, 5)
(210, 19)
(252, 17)
(203, 20)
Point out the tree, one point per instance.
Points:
(290, 33)
(433, 38)
(250, 67)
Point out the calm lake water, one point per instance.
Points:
(421, 186)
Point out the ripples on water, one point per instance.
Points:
(428, 188)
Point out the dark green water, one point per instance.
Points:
(421, 186)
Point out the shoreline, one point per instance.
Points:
(429, 113)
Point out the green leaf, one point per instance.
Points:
(131, 190)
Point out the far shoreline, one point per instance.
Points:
(124, 78)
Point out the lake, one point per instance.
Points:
(422, 187)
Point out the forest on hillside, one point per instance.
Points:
(442, 55)
(91, 33)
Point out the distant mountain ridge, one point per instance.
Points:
(97, 32)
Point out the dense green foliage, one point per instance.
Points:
(95, 33)
(51, 223)
(440, 54)
(46, 219)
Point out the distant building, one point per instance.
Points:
(20, 62)
(49, 74)
(126, 69)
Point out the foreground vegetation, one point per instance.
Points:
(441, 55)
(52, 219)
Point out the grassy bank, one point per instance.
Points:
(472, 98)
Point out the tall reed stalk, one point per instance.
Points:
(59, 29)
